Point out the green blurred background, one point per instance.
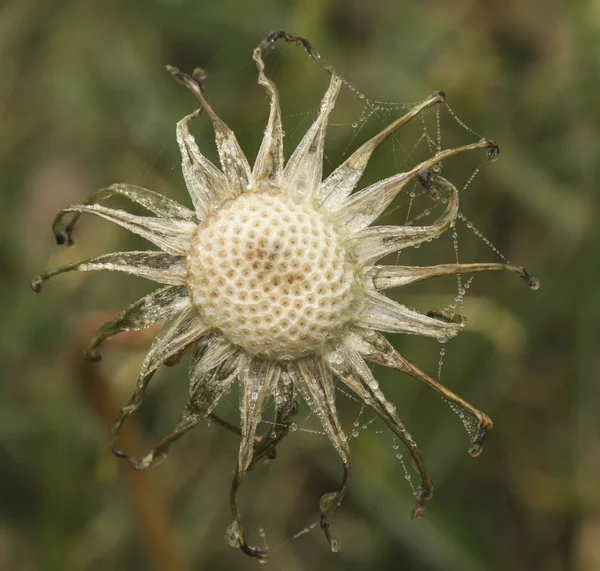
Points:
(85, 101)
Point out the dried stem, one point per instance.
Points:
(150, 505)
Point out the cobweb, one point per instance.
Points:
(357, 118)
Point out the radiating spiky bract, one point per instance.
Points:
(271, 281)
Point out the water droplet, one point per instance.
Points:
(293, 427)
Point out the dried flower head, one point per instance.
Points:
(272, 281)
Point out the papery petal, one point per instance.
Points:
(384, 314)
(303, 172)
(173, 236)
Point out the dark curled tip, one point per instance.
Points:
(334, 543)
(424, 495)
(476, 447)
(199, 75)
(252, 552)
(325, 527)
(306, 44)
(532, 282)
(64, 237)
(493, 151)
(273, 37)
(119, 453)
(93, 356)
(36, 284)
(426, 181)
(441, 95)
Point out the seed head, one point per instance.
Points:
(271, 281)
(271, 275)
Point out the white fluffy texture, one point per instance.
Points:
(271, 275)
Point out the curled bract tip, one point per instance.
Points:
(261, 556)
(199, 75)
(63, 237)
(426, 181)
(475, 449)
(118, 453)
(93, 356)
(532, 281)
(493, 151)
(425, 494)
(36, 284)
(234, 538)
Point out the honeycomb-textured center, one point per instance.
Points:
(271, 275)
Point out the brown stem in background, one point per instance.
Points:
(150, 505)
